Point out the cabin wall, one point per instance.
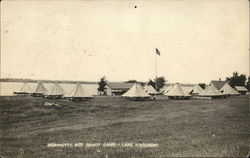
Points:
(242, 92)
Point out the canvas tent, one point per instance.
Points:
(39, 90)
(78, 93)
(56, 91)
(211, 92)
(177, 93)
(228, 90)
(150, 90)
(197, 90)
(136, 92)
(188, 89)
(24, 90)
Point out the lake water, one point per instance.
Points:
(7, 88)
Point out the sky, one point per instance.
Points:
(199, 40)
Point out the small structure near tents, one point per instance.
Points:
(228, 90)
(241, 89)
(211, 92)
(150, 90)
(55, 92)
(197, 90)
(136, 92)
(40, 90)
(25, 90)
(78, 94)
(177, 93)
(117, 88)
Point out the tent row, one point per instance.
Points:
(136, 92)
(210, 92)
(56, 91)
(192, 90)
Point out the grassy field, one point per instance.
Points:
(187, 128)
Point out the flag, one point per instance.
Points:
(157, 52)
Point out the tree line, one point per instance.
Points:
(44, 81)
(235, 80)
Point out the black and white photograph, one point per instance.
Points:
(124, 78)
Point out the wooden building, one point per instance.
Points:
(241, 89)
(117, 88)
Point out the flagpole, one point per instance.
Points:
(155, 72)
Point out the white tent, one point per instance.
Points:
(24, 90)
(197, 90)
(150, 90)
(55, 90)
(78, 92)
(187, 89)
(228, 90)
(211, 91)
(40, 89)
(236, 92)
(136, 91)
(177, 92)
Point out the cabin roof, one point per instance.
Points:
(218, 84)
(240, 88)
(119, 85)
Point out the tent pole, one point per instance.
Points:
(155, 73)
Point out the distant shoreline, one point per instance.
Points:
(45, 81)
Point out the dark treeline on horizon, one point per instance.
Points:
(236, 79)
(44, 81)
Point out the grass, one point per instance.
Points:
(181, 128)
